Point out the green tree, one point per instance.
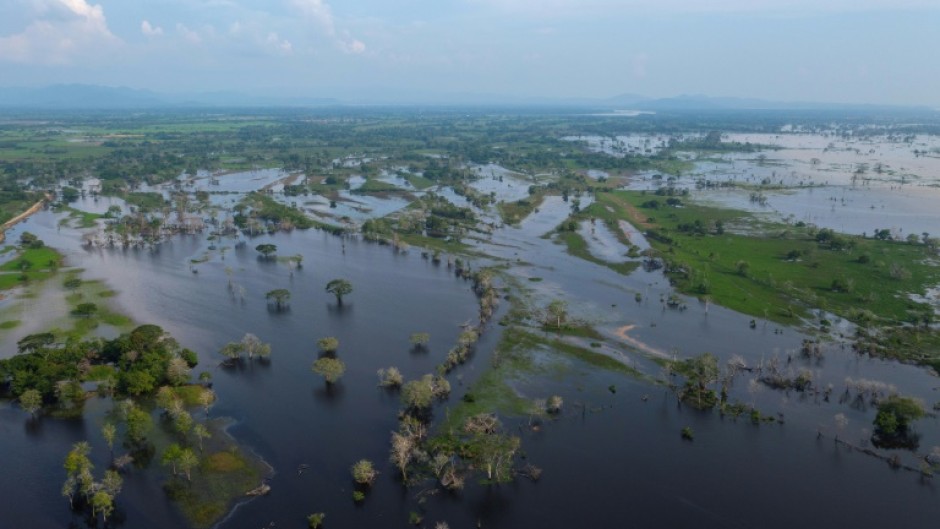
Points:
(139, 424)
(109, 432)
(85, 310)
(187, 462)
(329, 344)
(232, 350)
(280, 296)
(339, 288)
(103, 503)
(895, 415)
(35, 342)
(31, 401)
(254, 346)
(331, 369)
(266, 250)
(172, 456)
(364, 472)
(201, 432)
(557, 312)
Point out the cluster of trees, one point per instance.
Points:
(135, 363)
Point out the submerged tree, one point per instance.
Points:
(31, 401)
(893, 420)
(556, 312)
(280, 296)
(254, 346)
(331, 369)
(266, 250)
(339, 288)
(364, 472)
(329, 344)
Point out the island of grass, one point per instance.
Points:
(33, 262)
(788, 273)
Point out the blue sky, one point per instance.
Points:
(876, 51)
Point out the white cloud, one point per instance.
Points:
(63, 30)
(188, 34)
(277, 43)
(149, 30)
(320, 13)
(352, 46)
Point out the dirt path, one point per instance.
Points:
(22, 216)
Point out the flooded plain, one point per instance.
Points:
(614, 456)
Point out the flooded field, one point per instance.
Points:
(615, 450)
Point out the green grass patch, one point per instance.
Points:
(147, 200)
(418, 181)
(100, 372)
(10, 324)
(82, 219)
(32, 264)
(578, 247)
(222, 479)
(515, 212)
(770, 283)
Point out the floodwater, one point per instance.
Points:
(614, 457)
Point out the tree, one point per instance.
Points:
(315, 520)
(390, 378)
(895, 415)
(254, 346)
(364, 472)
(201, 432)
(187, 462)
(109, 432)
(420, 339)
(232, 350)
(328, 344)
(266, 250)
(112, 483)
(557, 312)
(419, 394)
(339, 288)
(102, 502)
(700, 372)
(139, 424)
(183, 422)
(171, 456)
(31, 401)
(177, 371)
(280, 296)
(85, 309)
(34, 342)
(331, 369)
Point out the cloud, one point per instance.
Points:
(277, 43)
(63, 30)
(321, 14)
(189, 35)
(149, 30)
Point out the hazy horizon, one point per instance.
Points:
(843, 52)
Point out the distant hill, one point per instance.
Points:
(81, 96)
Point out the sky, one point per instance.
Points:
(840, 51)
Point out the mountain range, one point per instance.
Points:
(83, 96)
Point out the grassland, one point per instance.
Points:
(31, 264)
(781, 272)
